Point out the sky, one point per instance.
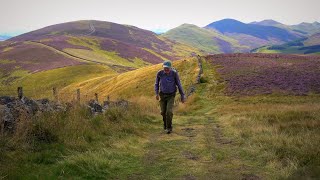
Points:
(17, 16)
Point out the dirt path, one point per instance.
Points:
(92, 30)
(65, 53)
(197, 149)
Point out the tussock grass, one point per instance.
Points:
(39, 85)
(284, 136)
(272, 137)
(75, 144)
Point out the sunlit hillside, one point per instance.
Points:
(135, 83)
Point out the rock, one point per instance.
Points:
(13, 109)
(95, 107)
(6, 100)
(120, 103)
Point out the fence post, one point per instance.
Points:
(20, 93)
(78, 95)
(96, 96)
(55, 94)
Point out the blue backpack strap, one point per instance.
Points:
(175, 75)
(160, 73)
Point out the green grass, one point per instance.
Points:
(214, 137)
(40, 84)
(282, 132)
(199, 37)
(286, 50)
(74, 144)
(135, 83)
(266, 50)
(99, 55)
(293, 47)
(6, 61)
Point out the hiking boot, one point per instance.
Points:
(168, 131)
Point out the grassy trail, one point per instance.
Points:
(214, 137)
(197, 148)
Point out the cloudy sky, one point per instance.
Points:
(26, 15)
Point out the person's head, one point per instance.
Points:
(166, 66)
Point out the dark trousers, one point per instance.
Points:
(166, 104)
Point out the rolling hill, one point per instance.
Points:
(308, 28)
(268, 22)
(210, 41)
(309, 45)
(95, 78)
(120, 47)
(302, 28)
(125, 41)
(253, 35)
(230, 36)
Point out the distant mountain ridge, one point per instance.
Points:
(303, 28)
(308, 45)
(267, 22)
(229, 35)
(4, 37)
(258, 31)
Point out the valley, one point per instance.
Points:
(252, 108)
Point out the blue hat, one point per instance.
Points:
(167, 64)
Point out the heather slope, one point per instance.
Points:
(111, 37)
(259, 74)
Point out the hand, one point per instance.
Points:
(183, 100)
(157, 97)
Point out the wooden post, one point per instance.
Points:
(20, 92)
(78, 95)
(55, 94)
(96, 96)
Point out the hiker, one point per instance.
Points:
(168, 79)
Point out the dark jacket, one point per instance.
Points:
(168, 83)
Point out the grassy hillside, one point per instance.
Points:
(135, 83)
(309, 45)
(120, 47)
(92, 78)
(39, 85)
(209, 41)
(214, 136)
(126, 41)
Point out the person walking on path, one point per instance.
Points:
(167, 80)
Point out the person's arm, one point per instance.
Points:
(156, 85)
(180, 87)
